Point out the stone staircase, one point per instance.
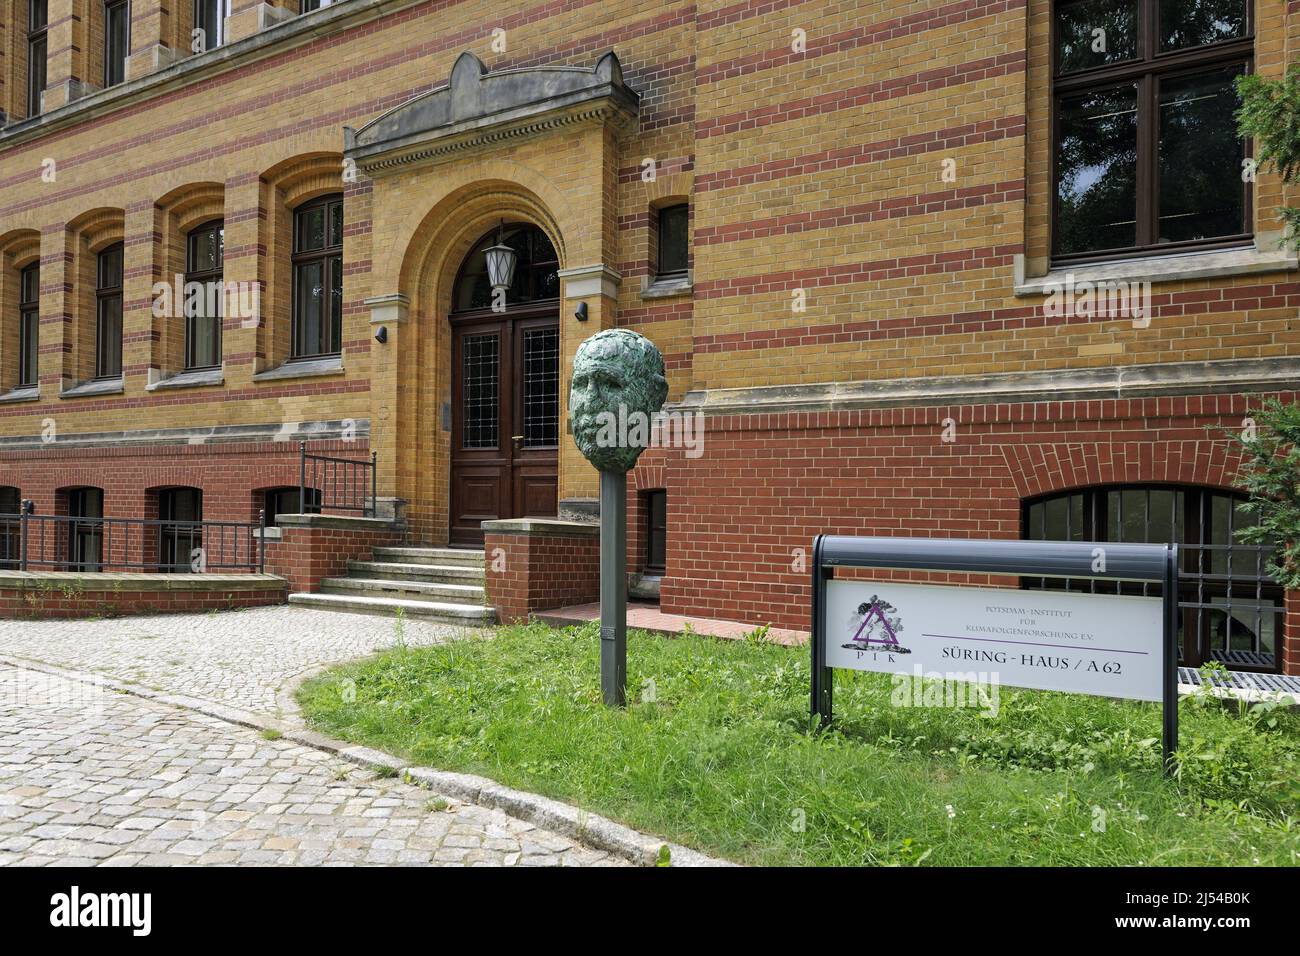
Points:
(437, 584)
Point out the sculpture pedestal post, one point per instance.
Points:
(613, 588)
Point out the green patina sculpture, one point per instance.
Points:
(618, 386)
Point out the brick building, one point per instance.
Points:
(847, 226)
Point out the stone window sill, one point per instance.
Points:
(1218, 263)
(28, 393)
(195, 379)
(332, 365)
(107, 386)
(664, 287)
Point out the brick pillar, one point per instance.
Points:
(64, 79)
(58, 306)
(1289, 652)
(137, 293)
(243, 267)
(536, 564)
(248, 17)
(156, 35)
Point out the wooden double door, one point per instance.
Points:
(505, 428)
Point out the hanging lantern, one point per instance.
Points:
(501, 261)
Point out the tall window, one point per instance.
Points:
(29, 321)
(1230, 610)
(210, 18)
(318, 278)
(37, 20)
(673, 240)
(108, 314)
(204, 259)
(117, 40)
(1147, 153)
(656, 540)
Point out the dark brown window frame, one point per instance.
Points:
(1199, 581)
(36, 36)
(29, 322)
(660, 271)
(111, 63)
(333, 335)
(533, 271)
(105, 294)
(1145, 72)
(204, 276)
(655, 563)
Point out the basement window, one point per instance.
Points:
(656, 547)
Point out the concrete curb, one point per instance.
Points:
(575, 823)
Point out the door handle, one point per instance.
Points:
(516, 437)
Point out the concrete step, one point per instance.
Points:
(409, 590)
(469, 615)
(429, 573)
(455, 557)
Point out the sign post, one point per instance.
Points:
(1107, 645)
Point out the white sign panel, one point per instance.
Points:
(1106, 645)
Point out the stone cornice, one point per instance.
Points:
(1117, 382)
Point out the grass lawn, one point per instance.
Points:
(723, 760)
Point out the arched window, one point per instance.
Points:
(204, 262)
(29, 323)
(108, 313)
(318, 278)
(1231, 610)
(181, 534)
(536, 277)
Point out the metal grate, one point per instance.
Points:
(1239, 680)
(481, 357)
(1231, 609)
(541, 388)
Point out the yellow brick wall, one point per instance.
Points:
(785, 181)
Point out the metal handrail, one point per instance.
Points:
(124, 544)
(342, 484)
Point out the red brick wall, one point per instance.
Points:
(742, 519)
(305, 555)
(232, 476)
(57, 601)
(527, 573)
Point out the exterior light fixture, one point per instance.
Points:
(581, 312)
(501, 261)
(381, 335)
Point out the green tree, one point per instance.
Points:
(1270, 115)
(1270, 474)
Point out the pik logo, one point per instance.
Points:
(878, 626)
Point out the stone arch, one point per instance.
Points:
(86, 236)
(175, 215)
(283, 188)
(19, 248)
(425, 270)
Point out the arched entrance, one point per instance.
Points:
(505, 387)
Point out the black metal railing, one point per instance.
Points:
(1231, 607)
(29, 542)
(340, 484)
